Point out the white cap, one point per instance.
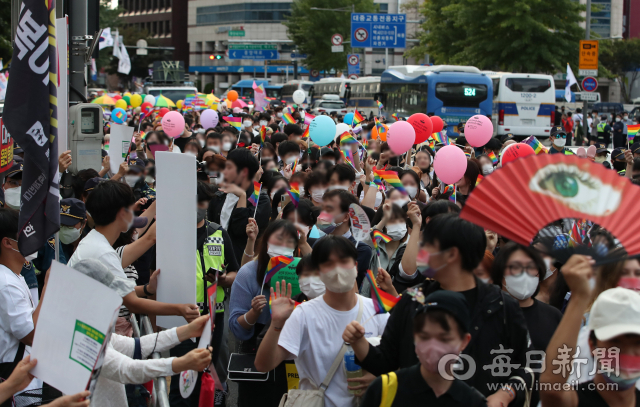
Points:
(615, 312)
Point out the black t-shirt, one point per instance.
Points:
(542, 321)
(472, 298)
(182, 141)
(588, 396)
(414, 391)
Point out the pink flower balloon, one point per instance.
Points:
(401, 136)
(478, 130)
(450, 164)
(173, 124)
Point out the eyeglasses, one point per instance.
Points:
(561, 135)
(516, 269)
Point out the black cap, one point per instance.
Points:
(635, 148)
(293, 128)
(556, 130)
(506, 137)
(72, 211)
(452, 303)
(617, 154)
(16, 169)
(326, 151)
(136, 165)
(17, 149)
(600, 148)
(91, 183)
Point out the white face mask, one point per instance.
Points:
(618, 119)
(332, 187)
(247, 123)
(149, 180)
(560, 142)
(312, 287)
(12, 196)
(215, 149)
(131, 180)
(226, 146)
(317, 194)
(291, 160)
(549, 271)
(275, 251)
(599, 160)
(487, 169)
(263, 123)
(521, 287)
(301, 191)
(412, 191)
(485, 280)
(201, 143)
(401, 202)
(397, 231)
(626, 117)
(256, 127)
(69, 234)
(193, 153)
(279, 114)
(339, 280)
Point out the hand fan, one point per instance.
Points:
(530, 193)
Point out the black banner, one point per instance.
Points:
(30, 115)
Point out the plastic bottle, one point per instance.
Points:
(353, 370)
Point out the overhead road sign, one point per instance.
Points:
(378, 30)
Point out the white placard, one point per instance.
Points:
(119, 143)
(337, 48)
(62, 38)
(71, 329)
(176, 231)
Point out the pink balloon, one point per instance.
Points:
(173, 124)
(209, 118)
(450, 164)
(401, 136)
(591, 151)
(237, 110)
(478, 130)
(581, 152)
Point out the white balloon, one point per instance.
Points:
(298, 96)
(150, 99)
(341, 128)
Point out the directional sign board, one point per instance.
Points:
(588, 57)
(589, 84)
(251, 51)
(353, 64)
(378, 30)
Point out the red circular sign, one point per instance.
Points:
(336, 39)
(353, 76)
(361, 34)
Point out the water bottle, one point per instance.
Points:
(353, 370)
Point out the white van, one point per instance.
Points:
(523, 104)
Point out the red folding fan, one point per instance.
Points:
(520, 199)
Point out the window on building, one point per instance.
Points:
(242, 13)
(155, 28)
(168, 27)
(384, 8)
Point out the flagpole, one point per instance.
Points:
(256, 210)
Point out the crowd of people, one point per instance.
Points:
(476, 312)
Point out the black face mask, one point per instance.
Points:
(619, 165)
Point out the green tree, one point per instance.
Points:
(622, 59)
(5, 32)
(311, 30)
(510, 35)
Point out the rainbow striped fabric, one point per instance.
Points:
(441, 137)
(382, 301)
(256, 193)
(480, 178)
(493, 157)
(287, 118)
(275, 265)
(395, 116)
(357, 118)
(263, 135)
(376, 237)
(305, 134)
(348, 157)
(294, 166)
(451, 188)
(468, 155)
(235, 122)
(294, 192)
(632, 131)
(308, 118)
(347, 138)
(391, 177)
(381, 129)
(380, 105)
(535, 144)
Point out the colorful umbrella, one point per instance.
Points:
(239, 103)
(104, 100)
(163, 101)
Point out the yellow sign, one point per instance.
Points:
(293, 380)
(588, 54)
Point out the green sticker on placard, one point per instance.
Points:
(289, 275)
(86, 344)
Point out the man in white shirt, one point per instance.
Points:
(312, 334)
(111, 206)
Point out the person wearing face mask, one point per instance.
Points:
(134, 177)
(411, 183)
(604, 131)
(315, 186)
(334, 220)
(593, 122)
(289, 153)
(193, 148)
(312, 334)
(619, 162)
(614, 330)
(486, 165)
(187, 135)
(558, 140)
(249, 312)
(13, 185)
(467, 183)
(451, 248)
(440, 327)
(214, 142)
(619, 132)
(309, 279)
(293, 132)
(423, 161)
(341, 177)
(73, 219)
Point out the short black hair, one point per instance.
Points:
(313, 180)
(434, 208)
(288, 147)
(493, 144)
(204, 191)
(243, 158)
(214, 136)
(293, 128)
(345, 173)
(188, 120)
(106, 200)
(346, 198)
(8, 224)
(440, 317)
(449, 231)
(500, 263)
(338, 245)
(81, 179)
(305, 263)
(278, 138)
(307, 213)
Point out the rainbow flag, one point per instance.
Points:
(382, 301)
(468, 155)
(395, 116)
(256, 193)
(441, 137)
(480, 178)
(348, 157)
(294, 166)
(294, 192)
(287, 118)
(432, 143)
(381, 129)
(493, 157)
(275, 265)
(347, 138)
(118, 114)
(308, 118)
(235, 122)
(632, 131)
(380, 105)
(357, 118)
(263, 135)
(378, 181)
(377, 236)
(535, 144)
(392, 179)
(306, 133)
(451, 188)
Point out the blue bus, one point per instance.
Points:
(363, 93)
(245, 89)
(455, 93)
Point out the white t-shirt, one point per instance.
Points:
(313, 337)
(96, 246)
(16, 308)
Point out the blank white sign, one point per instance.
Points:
(176, 232)
(119, 141)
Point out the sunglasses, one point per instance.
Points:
(561, 135)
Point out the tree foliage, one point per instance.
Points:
(311, 30)
(509, 35)
(5, 31)
(622, 59)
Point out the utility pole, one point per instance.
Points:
(77, 50)
(587, 36)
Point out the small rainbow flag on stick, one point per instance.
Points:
(256, 193)
(275, 265)
(377, 236)
(493, 157)
(308, 118)
(357, 119)
(348, 157)
(632, 131)
(263, 135)
(395, 116)
(287, 118)
(441, 137)
(380, 105)
(306, 133)
(451, 188)
(535, 144)
(381, 129)
(382, 301)
(235, 122)
(347, 138)
(294, 166)
(392, 179)
(479, 179)
(294, 193)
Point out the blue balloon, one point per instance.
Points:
(348, 118)
(119, 115)
(322, 130)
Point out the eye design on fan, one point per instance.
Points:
(577, 189)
